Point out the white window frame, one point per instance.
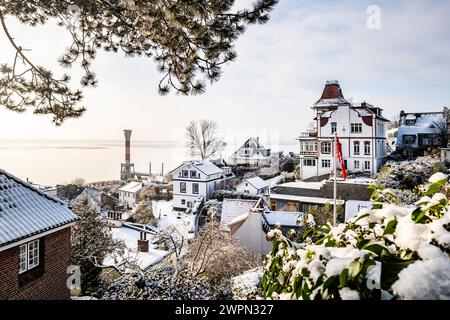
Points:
(29, 256)
(356, 148)
(356, 128)
(367, 148)
(356, 164)
(185, 187)
(333, 127)
(309, 162)
(326, 163)
(308, 146)
(367, 166)
(325, 147)
(193, 188)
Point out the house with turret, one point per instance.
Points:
(361, 128)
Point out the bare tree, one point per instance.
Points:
(217, 255)
(202, 139)
(394, 123)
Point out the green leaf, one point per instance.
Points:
(343, 278)
(362, 217)
(390, 227)
(332, 281)
(362, 243)
(354, 268)
(418, 216)
(435, 187)
(375, 248)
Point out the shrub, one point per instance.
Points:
(386, 252)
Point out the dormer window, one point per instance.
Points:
(193, 174)
(185, 174)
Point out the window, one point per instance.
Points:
(183, 187)
(333, 127)
(185, 174)
(29, 256)
(356, 147)
(409, 139)
(326, 147)
(308, 146)
(367, 148)
(309, 162)
(326, 163)
(193, 174)
(356, 164)
(356, 128)
(195, 188)
(183, 201)
(427, 141)
(367, 165)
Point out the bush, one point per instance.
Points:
(386, 252)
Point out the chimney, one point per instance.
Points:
(143, 242)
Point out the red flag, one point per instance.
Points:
(340, 159)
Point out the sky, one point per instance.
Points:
(280, 72)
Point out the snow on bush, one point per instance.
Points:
(247, 285)
(407, 174)
(387, 251)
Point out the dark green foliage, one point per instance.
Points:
(91, 243)
(188, 40)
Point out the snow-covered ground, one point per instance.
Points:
(167, 217)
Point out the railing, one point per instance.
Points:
(308, 134)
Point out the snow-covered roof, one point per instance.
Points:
(94, 194)
(425, 123)
(205, 166)
(257, 182)
(303, 185)
(238, 219)
(26, 211)
(304, 199)
(143, 259)
(284, 218)
(133, 187)
(252, 143)
(232, 208)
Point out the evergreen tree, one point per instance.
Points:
(188, 39)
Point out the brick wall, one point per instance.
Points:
(51, 283)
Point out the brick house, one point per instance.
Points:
(34, 242)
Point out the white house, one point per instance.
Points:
(195, 179)
(254, 185)
(91, 197)
(233, 208)
(129, 194)
(361, 129)
(421, 130)
(251, 153)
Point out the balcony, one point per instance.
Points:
(308, 135)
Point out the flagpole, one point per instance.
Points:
(335, 178)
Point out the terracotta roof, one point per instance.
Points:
(332, 90)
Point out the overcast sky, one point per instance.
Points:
(279, 73)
